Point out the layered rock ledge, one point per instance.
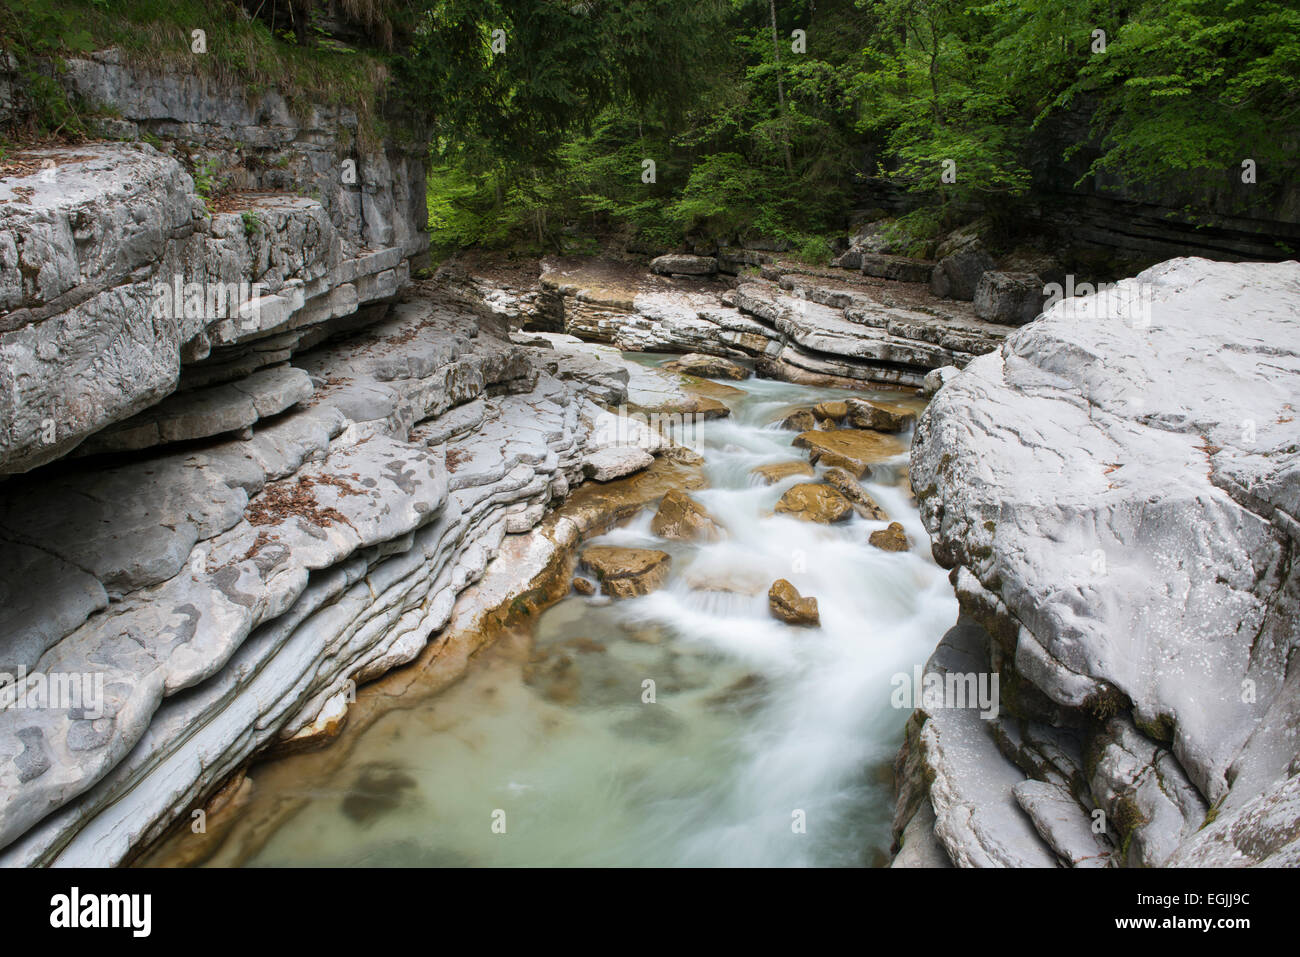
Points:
(1117, 491)
(792, 322)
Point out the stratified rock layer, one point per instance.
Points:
(1118, 491)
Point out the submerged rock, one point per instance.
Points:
(627, 572)
(682, 518)
(815, 503)
(790, 607)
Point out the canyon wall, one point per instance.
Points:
(1117, 492)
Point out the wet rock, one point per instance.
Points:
(881, 416)
(680, 264)
(801, 420)
(681, 455)
(707, 367)
(790, 607)
(891, 539)
(780, 471)
(854, 450)
(848, 486)
(834, 410)
(613, 462)
(584, 586)
(627, 572)
(815, 503)
(681, 518)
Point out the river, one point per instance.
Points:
(764, 744)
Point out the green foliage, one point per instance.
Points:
(252, 223)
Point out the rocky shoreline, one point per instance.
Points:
(1116, 496)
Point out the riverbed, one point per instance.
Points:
(684, 727)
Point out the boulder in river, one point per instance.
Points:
(881, 416)
(627, 572)
(707, 367)
(681, 518)
(790, 607)
(780, 471)
(848, 486)
(800, 420)
(815, 503)
(891, 539)
(851, 449)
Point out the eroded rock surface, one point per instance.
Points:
(1117, 489)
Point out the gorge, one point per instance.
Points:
(375, 566)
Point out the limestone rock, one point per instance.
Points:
(790, 607)
(854, 450)
(681, 518)
(848, 486)
(780, 471)
(891, 539)
(801, 420)
(684, 265)
(627, 572)
(1013, 298)
(1148, 461)
(881, 416)
(901, 268)
(612, 462)
(707, 367)
(815, 503)
(958, 274)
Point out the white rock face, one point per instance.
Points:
(607, 464)
(1120, 487)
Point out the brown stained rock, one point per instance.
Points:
(780, 471)
(584, 586)
(815, 503)
(707, 367)
(627, 572)
(848, 486)
(801, 420)
(790, 607)
(681, 518)
(891, 539)
(833, 410)
(881, 416)
(851, 449)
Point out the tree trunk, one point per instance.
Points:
(780, 87)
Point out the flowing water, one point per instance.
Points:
(764, 744)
